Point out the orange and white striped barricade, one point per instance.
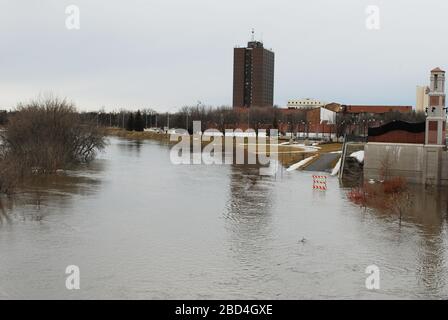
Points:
(320, 182)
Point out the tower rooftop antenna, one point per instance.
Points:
(253, 35)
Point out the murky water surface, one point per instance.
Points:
(139, 227)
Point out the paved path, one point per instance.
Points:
(323, 163)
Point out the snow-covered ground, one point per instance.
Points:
(336, 168)
(302, 147)
(306, 149)
(359, 155)
(300, 163)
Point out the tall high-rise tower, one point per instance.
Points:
(253, 76)
(436, 112)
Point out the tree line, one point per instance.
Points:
(225, 117)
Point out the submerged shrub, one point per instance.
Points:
(357, 196)
(391, 194)
(394, 185)
(44, 136)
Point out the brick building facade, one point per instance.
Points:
(253, 76)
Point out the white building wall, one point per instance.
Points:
(327, 115)
(422, 98)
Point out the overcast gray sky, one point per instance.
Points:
(169, 53)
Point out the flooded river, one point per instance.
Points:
(139, 227)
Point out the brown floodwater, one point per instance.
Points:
(140, 227)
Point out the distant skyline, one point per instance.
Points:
(169, 53)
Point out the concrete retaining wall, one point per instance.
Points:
(394, 159)
(417, 163)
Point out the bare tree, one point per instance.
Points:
(43, 136)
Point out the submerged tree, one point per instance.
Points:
(44, 136)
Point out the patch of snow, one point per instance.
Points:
(310, 149)
(299, 145)
(359, 155)
(156, 130)
(180, 132)
(212, 133)
(336, 168)
(241, 134)
(304, 149)
(300, 164)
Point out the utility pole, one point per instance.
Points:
(222, 123)
(168, 120)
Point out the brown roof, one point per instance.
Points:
(374, 109)
(335, 107)
(437, 70)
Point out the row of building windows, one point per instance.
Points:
(305, 103)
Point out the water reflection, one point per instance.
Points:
(130, 147)
(38, 197)
(4, 217)
(429, 214)
(248, 214)
(427, 217)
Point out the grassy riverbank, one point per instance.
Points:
(136, 135)
(287, 154)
